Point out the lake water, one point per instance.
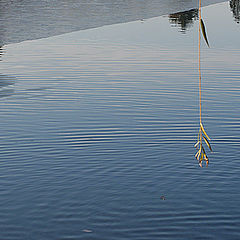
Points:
(98, 125)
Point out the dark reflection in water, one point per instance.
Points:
(1, 52)
(184, 20)
(6, 92)
(234, 5)
(5, 82)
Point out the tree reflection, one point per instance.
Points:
(184, 20)
(234, 5)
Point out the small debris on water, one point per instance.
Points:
(87, 230)
(163, 198)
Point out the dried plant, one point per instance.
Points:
(201, 153)
(202, 135)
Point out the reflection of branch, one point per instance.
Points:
(183, 19)
(202, 135)
(235, 7)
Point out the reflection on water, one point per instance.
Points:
(186, 19)
(5, 82)
(26, 20)
(95, 155)
(1, 52)
(235, 7)
(183, 19)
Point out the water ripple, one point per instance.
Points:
(97, 142)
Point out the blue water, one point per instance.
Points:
(98, 125)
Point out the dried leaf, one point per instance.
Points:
(207, 163)
(196, 144)
(197, 154)
(204, 32)
(198, 137)
(208, 144)
(203, 150)
(204, 131)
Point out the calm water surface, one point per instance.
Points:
(27, 20)
(97, 125)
